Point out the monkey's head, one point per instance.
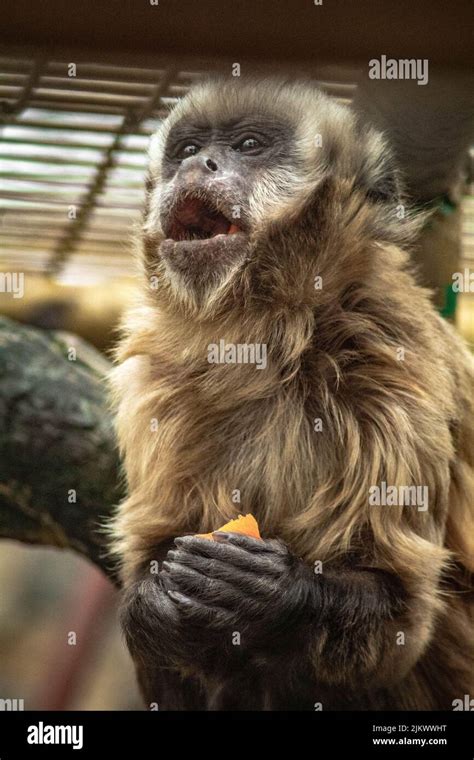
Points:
(253, 187)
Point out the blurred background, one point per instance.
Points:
(81, 91)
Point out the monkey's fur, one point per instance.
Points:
(387, 623)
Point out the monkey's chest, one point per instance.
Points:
(260, 459)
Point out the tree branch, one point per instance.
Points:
(59, 468)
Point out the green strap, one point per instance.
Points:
(445, 206)
(450, 301)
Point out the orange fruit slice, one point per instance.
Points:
(243, 524)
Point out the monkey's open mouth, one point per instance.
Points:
(201, 239)
(195, 219)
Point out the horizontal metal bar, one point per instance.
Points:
(36, 239)
(58, 143)
(118, 72)
(93, 127)
(91, 98)
(96, 85)
(60, 182)
(32, 198)
(56, 161)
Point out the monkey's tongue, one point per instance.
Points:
(222, 226)
(217, 226)
(193, 215)
(212, 223)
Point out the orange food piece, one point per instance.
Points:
(243, 524)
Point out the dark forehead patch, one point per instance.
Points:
(202, 127)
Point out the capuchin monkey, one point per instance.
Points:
(275, 220)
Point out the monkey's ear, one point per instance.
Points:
(386, 186)
(149, 183)
(378, 174)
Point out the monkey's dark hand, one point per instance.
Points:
(218, 607)
(237, 586)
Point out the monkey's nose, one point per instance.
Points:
(211, 165)
(197, 168)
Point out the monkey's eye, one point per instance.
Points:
(248, 144)
(188, 150)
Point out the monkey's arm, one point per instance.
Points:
(343, 622)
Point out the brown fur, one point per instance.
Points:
(332, 354)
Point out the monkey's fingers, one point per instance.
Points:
(198, 575)
(263, 562)
(255, 546)
(196, 585)
(201, 614)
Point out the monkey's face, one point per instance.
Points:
(235, 184)
(210, 171)
(207, 170)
